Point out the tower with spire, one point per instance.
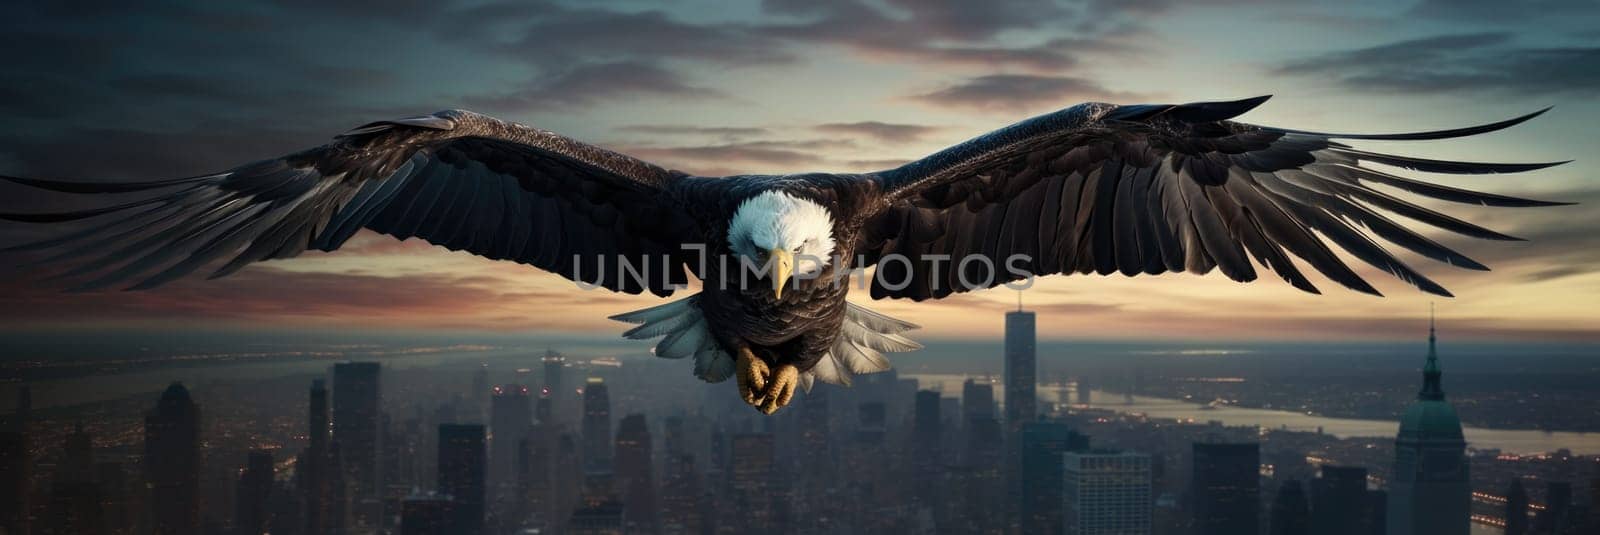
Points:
(1430, 492)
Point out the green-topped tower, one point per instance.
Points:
(1430, 491)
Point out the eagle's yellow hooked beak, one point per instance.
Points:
(782, 266)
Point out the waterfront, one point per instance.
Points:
(1509, 441)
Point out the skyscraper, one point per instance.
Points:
(1022, 397)
(681, 495)
(634, 474)
(555, 384)
(480, 389)
(316, 465)
(1339, 501)
(596, 425)
(172, 463)
(977, 401)
(428, 515)
(254, 491)
(461, 474)
(1039, 483)
(752, 474)
(510, 419)
(1557, 517)
(74, 505)
(357, 399)
(1021, 405)
(926, 454)
(1430, 491)
(1226, 488)
(1106, 493)
(15, 466)
(1516, 508)
(1291, 511)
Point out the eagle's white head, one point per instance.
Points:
(794, 234)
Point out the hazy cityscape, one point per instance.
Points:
(479, 439)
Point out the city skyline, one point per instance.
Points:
(1084, 468)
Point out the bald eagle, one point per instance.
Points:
(1094, 188)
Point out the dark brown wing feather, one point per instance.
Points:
(1100, 188)
(457, 179)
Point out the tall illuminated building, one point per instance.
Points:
(510, 419)
(1430, 491)
(316, 465)
(596, 425)
(1021, 405)
(1022, 398)
(357, 399)
(554, 383)
(172, 463)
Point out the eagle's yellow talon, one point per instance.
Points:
(752, 374)
(781, 388)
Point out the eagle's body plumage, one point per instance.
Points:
(1095, 188)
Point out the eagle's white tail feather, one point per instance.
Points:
(879, 321)
(863, 338)
(685, 334)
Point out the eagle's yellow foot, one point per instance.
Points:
(752, 373)
(780, 389)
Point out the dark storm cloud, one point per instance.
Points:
(1463, 63)
(129, 153)
(590, 84)
(546, 33)
(1014, 92)
(945, 32)
(1502, 11)
(880, 131)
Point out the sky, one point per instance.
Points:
(111, 90)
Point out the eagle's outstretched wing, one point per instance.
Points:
(455, 178)
(1155, 188)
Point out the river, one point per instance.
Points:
(1509, 441)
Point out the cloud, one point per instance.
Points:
(265, 295)
(1018, 92)
(546, 33)
(955, 33)
(741, 157)
(590, 84)
(727, 132)
(880, 131)
(1457, 63)
(1498, 11)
